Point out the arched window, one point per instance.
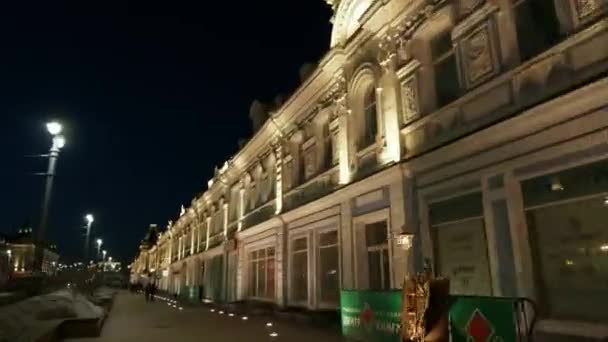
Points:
(370, 119)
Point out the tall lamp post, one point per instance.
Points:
(54, 128)
(9, 253)
(99, 243)
(87, 242)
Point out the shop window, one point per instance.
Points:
(299, 270)
(231, 277)
(566, 214)
(262, 273)
(329, 268)
(460, 243)
(537, 26)
(447, 86)
(370, 117)
(376, 241)
(214, 277)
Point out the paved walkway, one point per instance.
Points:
(132, 319)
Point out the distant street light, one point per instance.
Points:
(55, 129)
(9, 253)
(89, 218)
(99, 243)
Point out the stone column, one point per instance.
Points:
(342, 112)
(278, 152)
(241, 211)
(225, 219)
(346, 246)
(208, 232)
(389, 97)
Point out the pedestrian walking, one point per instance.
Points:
(147, 291)
(152, 291)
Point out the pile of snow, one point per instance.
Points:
(104, 293)
(34, 317)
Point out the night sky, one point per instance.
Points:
(153, 95)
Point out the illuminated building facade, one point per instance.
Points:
(479, 127)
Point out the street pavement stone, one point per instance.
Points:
(132, 319)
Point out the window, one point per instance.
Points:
(447, 86)
(287, 173)
(537, 26)
(253, 195)
(566, 214)
(310, 161)
(335, 152)
(370, 118)
(218, 221)
(214, 278)
(261, 273)
(299, 270)
(234, 203)
(376, 240)
(460, 244)
(329, 268)
(231, 277)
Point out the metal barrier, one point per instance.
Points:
(477, 318)
(375, 316)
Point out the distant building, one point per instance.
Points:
(22, 253)
(145, 264)
(5, 255)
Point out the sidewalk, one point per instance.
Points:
(132, 319)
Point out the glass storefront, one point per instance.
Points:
(214, 277)
(329, 268)
(376, 241)
(567, 214)
(460, 244)
(299, 270)
(262, 273)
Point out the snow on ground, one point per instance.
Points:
(35, 316)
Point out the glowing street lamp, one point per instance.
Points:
(89, 218)
(99, 243)
(54, 128)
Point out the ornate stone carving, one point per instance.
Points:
(478, 56)
(466, 7)
(389, 44)
(587, 8)
(333, 4)
(336, 93)
(310, 161)
(409, 98)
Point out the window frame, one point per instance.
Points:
(256, 261)
(319, 294)
(292, 252)
(365, 140)
(360, 246)
(439, 59)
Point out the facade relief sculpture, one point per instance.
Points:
(478, 55)
(466, 7)
(588, 8)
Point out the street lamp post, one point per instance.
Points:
(87, 242)
(54, 128)
(99, 243)
(9, 254)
